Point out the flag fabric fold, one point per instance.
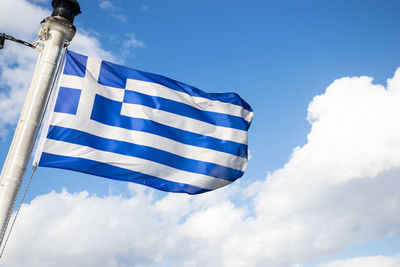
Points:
(116, 122)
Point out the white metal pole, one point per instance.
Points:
(56, 32)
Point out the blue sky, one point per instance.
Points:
(315, 190)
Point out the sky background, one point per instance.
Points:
(322, 187)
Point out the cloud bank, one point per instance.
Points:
(340, 189)
(381, 261)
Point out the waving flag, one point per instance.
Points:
(124, 124)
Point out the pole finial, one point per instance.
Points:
(67, 9)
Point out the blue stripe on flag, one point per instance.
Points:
(144, 152)
(75, 64)
(182, 109)
(116, 75)
(109, 171)
(108, 111)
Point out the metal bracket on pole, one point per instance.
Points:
(4, 37)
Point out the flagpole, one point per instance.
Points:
(56, 32)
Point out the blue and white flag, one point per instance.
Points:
(124, 124)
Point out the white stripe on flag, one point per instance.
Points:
(184, 123)
(134, 164)
(155, 89)
(151, 140)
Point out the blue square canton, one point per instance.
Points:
(75, 64)
(67, 100)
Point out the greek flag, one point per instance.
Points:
(116, 122)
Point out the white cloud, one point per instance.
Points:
(18, 22)
(22, 20)
(86, 44)
(120, 17)
(116, 12)
(133, 42)
(106, 5)
(374, 261)
(145, 8)
(340, 189)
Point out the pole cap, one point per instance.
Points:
(67, 9)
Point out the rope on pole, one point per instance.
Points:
(16, 214)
